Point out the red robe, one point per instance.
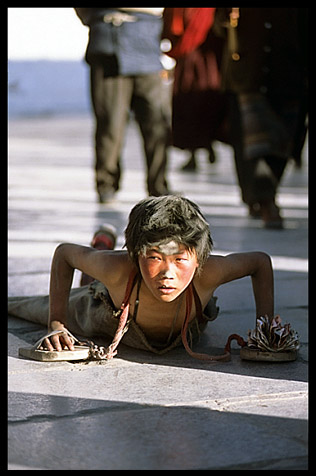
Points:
(198, 105)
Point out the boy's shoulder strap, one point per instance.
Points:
(123, 320)
(197, 302)
(129, 287)
(190, 292)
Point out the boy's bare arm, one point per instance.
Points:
(263, 286)
(257, 265)
(67, 258)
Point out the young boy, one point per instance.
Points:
(165, 280)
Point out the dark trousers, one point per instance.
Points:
(258, 178)
(112, 98)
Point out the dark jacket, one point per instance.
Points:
(272, 48)
(265, 65)
(131, 47)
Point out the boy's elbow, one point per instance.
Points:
(63, 259)
(62, 251)
(264, 260)
(263, 255)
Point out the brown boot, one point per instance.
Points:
(270, 214)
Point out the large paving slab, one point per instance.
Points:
(142, 411)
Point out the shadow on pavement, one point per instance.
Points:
(79, 433)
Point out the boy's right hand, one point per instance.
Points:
(58, 341)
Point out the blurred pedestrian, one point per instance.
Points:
(124, 57)
(264, 67)
(198, 105)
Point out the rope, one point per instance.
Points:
(238, 338)
(206, 357)
(102, 353)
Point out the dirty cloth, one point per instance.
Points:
(91, 313)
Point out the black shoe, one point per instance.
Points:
(254, 210)
(211, 156)
(106, 197)
(190, 165)
(161, 192)
(270, 214)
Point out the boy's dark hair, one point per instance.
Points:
(167, 218)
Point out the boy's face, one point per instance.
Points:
(167, 269)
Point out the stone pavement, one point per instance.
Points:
(142, 411)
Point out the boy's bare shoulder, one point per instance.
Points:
(117, 265)
(117, 269)
(108, 266)
(211, 272)
(220, 269)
